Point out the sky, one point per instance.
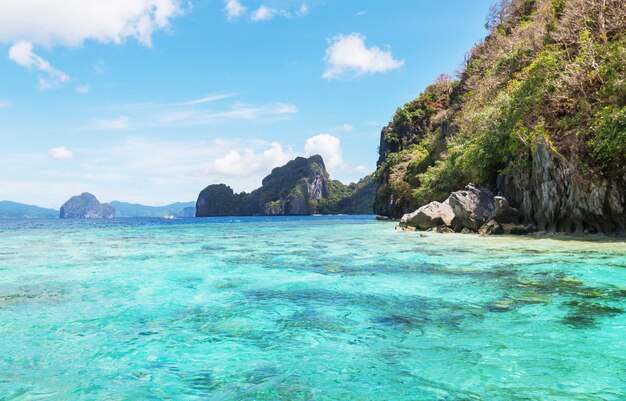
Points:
(150, 101)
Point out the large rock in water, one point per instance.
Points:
(473, 206)
(431, 215)
(86, 206)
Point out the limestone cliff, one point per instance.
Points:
(301, 187)
(537, 115)
(86, 206)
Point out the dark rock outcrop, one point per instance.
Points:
(517, 229)
(473, 206)
(490, 228)
(552, 195)
(504, 212)
(468, 211)
(301, 187)
(218, 200)
(86, 206)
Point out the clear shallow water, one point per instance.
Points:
(305, 309)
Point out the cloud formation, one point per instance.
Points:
(25, 23)
(327, 146)
(234, 9)
(71, 22)
(192, 112)
(60, 153)
(248, 161)
(207, 99)
(119, 123)
(348, 56)
(22, 54)
(263, 13)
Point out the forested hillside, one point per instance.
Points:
(537, 113)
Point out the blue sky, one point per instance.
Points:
(151, 100)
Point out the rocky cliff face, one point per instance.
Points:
(86, 206)
(552, 194)
(301, 187)
(537, 115)
(217, 200)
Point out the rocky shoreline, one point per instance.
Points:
(472, 210)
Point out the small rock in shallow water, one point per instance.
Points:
(442, 230)
(517, 229)
(490, 228)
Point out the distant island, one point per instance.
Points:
(86, 206)
(14, 210)
(178, 209)
(300, 187)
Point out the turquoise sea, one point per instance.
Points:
(315, 308)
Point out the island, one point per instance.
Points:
(300, 187)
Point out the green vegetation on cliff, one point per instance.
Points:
(551, 72)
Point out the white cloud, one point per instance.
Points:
(25, 23)
(327, 146)
(303, 10)
(263, 13)
(82, 89)
(361, 169)
(120, 123)
(234, 9)
(348, 56)
(4, 104)
(60, 153)
(360, 13)
(207, 99)
(71, 22)
(345, 127)
(240, 163)
(22, 54)
(268, 112)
